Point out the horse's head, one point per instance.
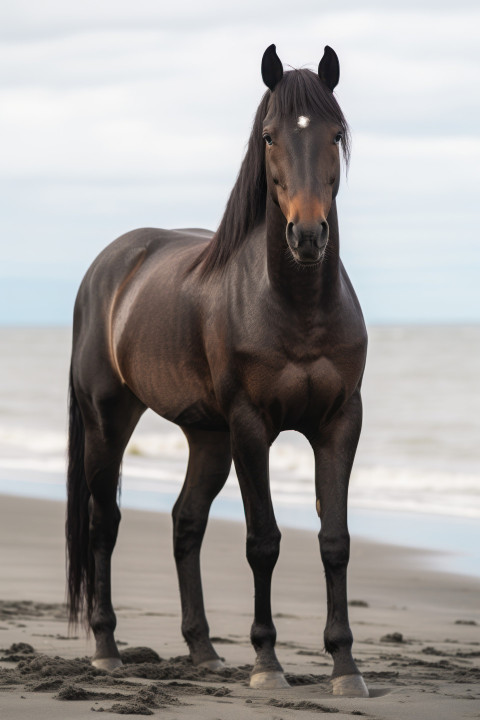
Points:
(302, 130)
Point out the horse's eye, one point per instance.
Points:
(338, 138)
(268, 139)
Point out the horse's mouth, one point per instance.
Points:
(310, 262)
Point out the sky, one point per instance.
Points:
(117, 115)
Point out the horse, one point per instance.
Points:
(234, 336)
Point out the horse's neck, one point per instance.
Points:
(307, 287)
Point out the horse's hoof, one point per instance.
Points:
(213, 665)
(350, 686)
(271, 680)
(108, 664)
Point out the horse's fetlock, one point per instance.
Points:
(103, 621)
(194, 633)
(337, 638)
(263, 635)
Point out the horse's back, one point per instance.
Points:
(117, 257)
(119, 261)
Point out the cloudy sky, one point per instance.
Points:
(116, 115)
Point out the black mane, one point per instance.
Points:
(300, 92)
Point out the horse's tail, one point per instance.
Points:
(79, 558)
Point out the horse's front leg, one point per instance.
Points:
(334, 449)
(250, 449)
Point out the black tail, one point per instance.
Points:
(80, 566)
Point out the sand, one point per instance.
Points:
(417, 631)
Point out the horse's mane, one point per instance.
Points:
(300, 92)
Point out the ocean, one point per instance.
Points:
(416, 479)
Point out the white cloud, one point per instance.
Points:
(126, 109)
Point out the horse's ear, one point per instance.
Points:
(329, 68)
(272, 68)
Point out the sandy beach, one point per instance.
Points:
(417, 631)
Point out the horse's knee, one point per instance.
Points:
(335, 550)
(188, 531)
(263, 550)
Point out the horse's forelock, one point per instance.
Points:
(302, 93)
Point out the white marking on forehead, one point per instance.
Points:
(303, 121)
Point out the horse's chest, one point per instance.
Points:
(290, 392)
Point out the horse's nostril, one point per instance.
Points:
(292, 237)
(323, 235)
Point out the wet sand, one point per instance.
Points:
(417, 631)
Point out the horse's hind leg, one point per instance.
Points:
(208, 467)
(106, 436)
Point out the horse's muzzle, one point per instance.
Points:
(307, 241)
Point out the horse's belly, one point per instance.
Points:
(199, 412)
(174, 388)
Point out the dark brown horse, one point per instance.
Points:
(234, 337)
